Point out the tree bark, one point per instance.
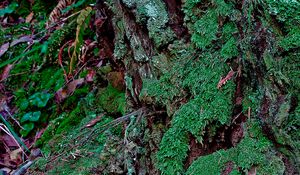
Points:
(226, 73)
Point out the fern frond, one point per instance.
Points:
(56, 13)
(82, 23)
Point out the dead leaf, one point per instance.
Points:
(63, 93)
(223, 81)
(16, 156)
(94, 121)
(22, 39)
(117, 80)
(60, 95)
(5, 72)
(252, 171)
(73, 85)
(9, 141)
(4, 48)
(90, 76)
(29, 17)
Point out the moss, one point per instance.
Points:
(50, 130)
(205, 29)
(112, 100)
(292, 39)
(285, 11)
(253, 150)
(201, 78)
(229, 49)
(71, 120)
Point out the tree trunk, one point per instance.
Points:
(218, 82)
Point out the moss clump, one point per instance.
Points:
(112, 100)
(199, 78)
(253, 151)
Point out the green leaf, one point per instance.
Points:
(31, 116)
(20, 93)
(23, 104)
(9, 9)
(40, 99)
(27, 128)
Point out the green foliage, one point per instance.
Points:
(205, 29)
(43, 7)
(27, 128)
(23, 8)
(173, 151)
(39, 99)
(31, 116)
(205, 23)
(71, 120)
(76, 5)
(200, 79)
(9, 9)
(82, 23)
(57, 38)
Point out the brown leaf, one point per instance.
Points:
(63, 93)
(224, 80)
(60, 95)
(16, 156)
(29, 17)
(90, 76)
(94, 121)
(5, 72)
(4, 48)
(9, 141)
(117, 80)
(73, 85)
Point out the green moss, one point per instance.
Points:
(285, 11)
(229, 49)
(201, 78)
(292, 39)
(205, 24)
(254, 150)
(71, 120)
(111, 100)
(205, 29)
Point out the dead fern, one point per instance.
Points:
(56, 13)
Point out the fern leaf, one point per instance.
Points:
(82, 24)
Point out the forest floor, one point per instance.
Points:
(149, 87)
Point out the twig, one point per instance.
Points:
(23, 168)
(6, 130)
(13, 133)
